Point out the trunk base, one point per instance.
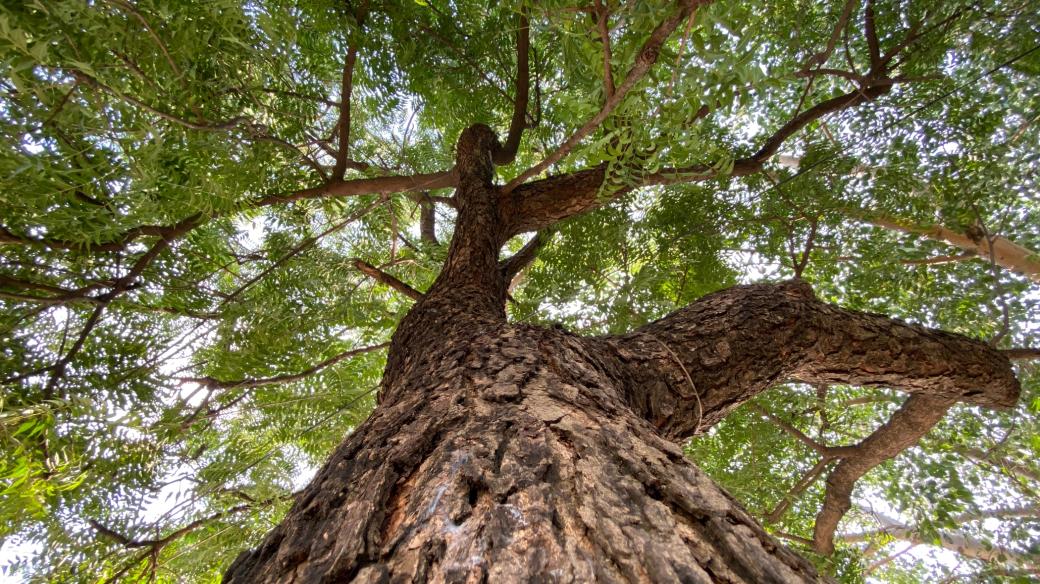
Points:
(517, 461)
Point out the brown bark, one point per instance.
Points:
(510, 453)
(736, 343)
(512, 457)
(912, 421)
(427, 220)
(507, 153)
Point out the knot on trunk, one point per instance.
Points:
(473, 153)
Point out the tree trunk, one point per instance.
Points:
(511, 453)
(517, 461)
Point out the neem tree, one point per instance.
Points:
(234, 232)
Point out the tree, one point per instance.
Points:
(234, 232)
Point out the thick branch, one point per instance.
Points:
(602, 24)
(1022, 353)
(507, 153)
(470, 276)
(853, 98)
(912, 421)
(686, 371)
(427, 220)
(541, 203)
(527, 254)
(739, 342)
(870, 32)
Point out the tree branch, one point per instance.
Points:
(602, 14)
(796, 491)
(958, 542)
(527, 254)
(358, 187)
(820, 58)
(1003, 251)
(346, 88)
(120, 285)
(384, 278)
(828, 452)
(943, 259)
(870, 32)
(507, 153)
(383, 185)
(117, 244)
(1012, 468)
(427, 220)
(249, 383)
(541, 203)
(905, 428)
(1022, 353)
(154, 546)
(647, 57)
(131, 9)
(738, 342)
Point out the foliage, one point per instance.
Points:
(137, 402)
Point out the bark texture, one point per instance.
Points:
(510, 453)
(514, 458)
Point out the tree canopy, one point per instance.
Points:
(214, 213)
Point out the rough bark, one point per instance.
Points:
(510, 453)
(511, 456)
(736, 343)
